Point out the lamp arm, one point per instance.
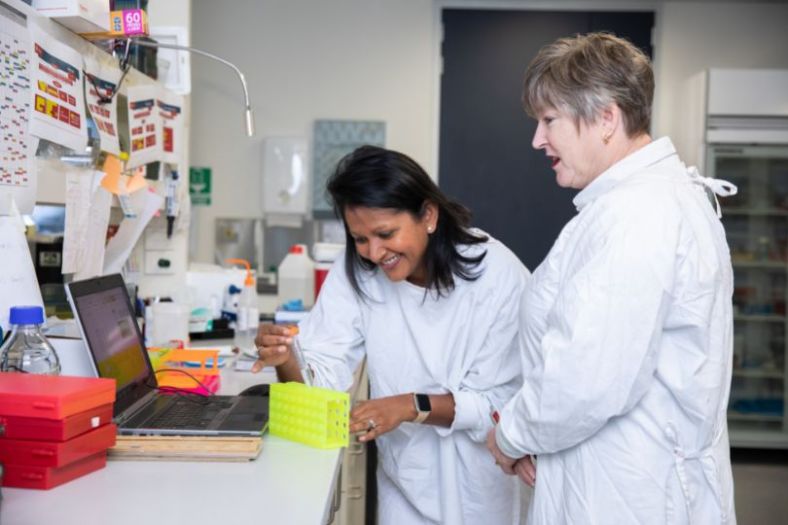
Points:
(248, 104)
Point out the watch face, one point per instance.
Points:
(423, 403)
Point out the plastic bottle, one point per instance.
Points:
(325, 254)
(296, 277)
(27, 350)
(247, 314)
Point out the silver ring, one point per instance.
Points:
(371, 424)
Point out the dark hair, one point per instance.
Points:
(374, 177)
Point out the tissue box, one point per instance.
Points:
(80, 16)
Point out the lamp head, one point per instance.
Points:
(249, 122)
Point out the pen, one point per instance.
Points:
(306, 372)
(171, 201)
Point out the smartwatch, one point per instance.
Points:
(423, 407)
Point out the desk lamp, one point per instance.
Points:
(248, 111)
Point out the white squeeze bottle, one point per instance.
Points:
(296, 277)
(248, 314)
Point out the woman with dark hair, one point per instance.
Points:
(433, 305)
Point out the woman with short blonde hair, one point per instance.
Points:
(627, 325)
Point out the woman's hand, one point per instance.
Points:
(502, 460)
(526, 470)
(273, 345)
(376, 417)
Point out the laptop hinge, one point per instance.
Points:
(132, 410)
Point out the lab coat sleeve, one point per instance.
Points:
(598, 354)
(494, 374)
(331, 336)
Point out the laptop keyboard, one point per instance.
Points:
(188, 414)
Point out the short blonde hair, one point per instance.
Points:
(582, 74)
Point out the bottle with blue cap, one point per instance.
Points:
(27, 349)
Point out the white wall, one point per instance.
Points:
(304, 60)
(695, 36)
(373, 59)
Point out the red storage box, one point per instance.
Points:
(18, 427)
(27, 477)
(57, 454)
(52, 397)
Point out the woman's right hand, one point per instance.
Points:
(273, 345)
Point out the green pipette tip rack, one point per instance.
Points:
(312, 415)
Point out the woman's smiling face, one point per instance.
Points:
(395, 241)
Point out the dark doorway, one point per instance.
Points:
(486, 159)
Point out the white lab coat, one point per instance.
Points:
(627, 328)
(464, 343)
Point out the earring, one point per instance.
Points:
(429, 229)
(606, 139)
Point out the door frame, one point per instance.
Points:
(525, 5)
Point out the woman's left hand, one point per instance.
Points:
(376, 417)
(502, 460)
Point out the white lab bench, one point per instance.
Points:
(288, 483)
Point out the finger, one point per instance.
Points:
(269, 357)
(273, 340)
(371, 434)
(529, 467)
(525, 478)
(365, 422)
(258, 365)
(268, 329)
(361, 411)
(526, 472)
(359, 426)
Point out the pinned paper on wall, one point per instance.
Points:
(171, 114)
(18, 283)
(87, 217)
(144, 126)
(100, 83)
(17, 147)
(146, 204)
(57, 95)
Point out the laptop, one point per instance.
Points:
(109, 328)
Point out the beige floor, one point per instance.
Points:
(761, 483)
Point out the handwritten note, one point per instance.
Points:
(18, 283)
(87, 218)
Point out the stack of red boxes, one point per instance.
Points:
(53, 428)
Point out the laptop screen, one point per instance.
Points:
(104, 312)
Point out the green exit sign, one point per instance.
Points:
(200, 186)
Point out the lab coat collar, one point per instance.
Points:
(649, 154)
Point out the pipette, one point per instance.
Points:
(306, 371)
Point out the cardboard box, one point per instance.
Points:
(122, 24)
(80, 16)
